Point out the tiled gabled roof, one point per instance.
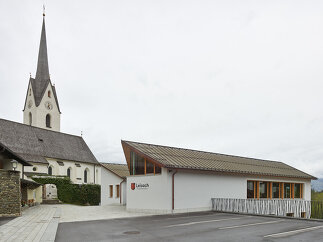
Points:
(120, 170)
(172, 157)
(34, 144)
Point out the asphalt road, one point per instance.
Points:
(199, 227)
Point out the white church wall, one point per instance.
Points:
(77, 173)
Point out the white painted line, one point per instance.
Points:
(206, 221)
(188, 216)
(254, 224)
(293, 232)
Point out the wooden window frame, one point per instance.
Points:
(281, 187)
(111, 191)
(117, 191)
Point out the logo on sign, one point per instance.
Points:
(139, 186)
(133, 186)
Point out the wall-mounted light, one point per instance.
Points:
(14, 164)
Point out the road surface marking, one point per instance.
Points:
(179, 217)
(206, 221)
(293, 232)
(254, 224)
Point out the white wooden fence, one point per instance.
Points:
(278, 207)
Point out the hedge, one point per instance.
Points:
(67, 192)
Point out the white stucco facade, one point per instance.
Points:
(192, 190)
(108, 179)
(77, 170)
(36, 116)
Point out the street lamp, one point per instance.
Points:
(14, 164)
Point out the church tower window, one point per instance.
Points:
(30, 119)
(48, 121)
(49, 94)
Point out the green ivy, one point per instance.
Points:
(79, 194)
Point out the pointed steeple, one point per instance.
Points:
(42, 66)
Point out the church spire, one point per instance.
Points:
(42, 66)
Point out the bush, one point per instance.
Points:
(79, 194)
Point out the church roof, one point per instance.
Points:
(34, 144)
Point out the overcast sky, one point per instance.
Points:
(234, 77)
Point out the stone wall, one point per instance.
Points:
(10, 196)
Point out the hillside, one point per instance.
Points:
(317, 185)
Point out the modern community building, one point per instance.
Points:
(37, 147)
(167, 179)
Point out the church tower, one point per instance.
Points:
(41, 104)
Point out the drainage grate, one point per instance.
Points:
(131, 232)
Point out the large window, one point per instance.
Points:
(287, 190)
(275, 189)
(251, 189)
(297, 190)
(263, 189)
(141, 166)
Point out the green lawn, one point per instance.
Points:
(317, 196)
(317, 205)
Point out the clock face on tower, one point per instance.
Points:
(30, 103)
(48, 105)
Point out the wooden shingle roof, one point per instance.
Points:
(171, 157)
(120, 170)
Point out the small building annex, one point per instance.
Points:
(167, 179)
(114, 183)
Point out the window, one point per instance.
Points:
(157, 169)
(48, 121)
(29, 91)
(110, 190)
(275, 190)
(287, 190)
(149, 167)
(141, 166)
(50, 170)
(118, 191)
(49, 94)
(68, 172)
(251, 189)
(30, 119)
(85, 176)
(263, 189)
(297, 190)
(34, 168)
